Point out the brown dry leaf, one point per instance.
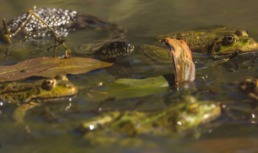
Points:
(181, 54)
(49, 67)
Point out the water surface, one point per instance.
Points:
(143, 20)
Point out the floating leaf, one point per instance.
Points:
(49, 67)
(74, 65)
(151, 82)
(129, 88)
(25, 69)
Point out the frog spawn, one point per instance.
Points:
(33, 28)
(41, 24)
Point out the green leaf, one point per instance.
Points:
(26, 69)
(74, 65)
(129, 88)
(151, 82)
(49, 67)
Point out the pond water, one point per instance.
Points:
(51, 129)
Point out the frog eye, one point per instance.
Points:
(48, 84)
(229, 40)
(193, 108)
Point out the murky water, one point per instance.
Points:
(53, 129)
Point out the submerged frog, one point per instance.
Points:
(29, 95)
(176, 118)
(217, 41)
(250, 87)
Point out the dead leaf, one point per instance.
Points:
(184, 67)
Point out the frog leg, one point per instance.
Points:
(20, 112)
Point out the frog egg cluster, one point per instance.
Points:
(60, 20)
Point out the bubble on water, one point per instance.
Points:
(91, 127)
(253, 116)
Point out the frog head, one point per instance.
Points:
(234, 42)
(54, 89)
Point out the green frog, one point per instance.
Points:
(178, 117)
(249, 86)
(222, 44)
(217, 41)
(29, 95)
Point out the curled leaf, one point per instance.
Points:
(184, 67)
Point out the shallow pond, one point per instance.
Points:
(52, 129)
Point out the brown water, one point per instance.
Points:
(143, 20)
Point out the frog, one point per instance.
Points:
(216, 41)
(43, 26)
(207, 51)
(177, 118)
(249, 86)
(27, 95)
